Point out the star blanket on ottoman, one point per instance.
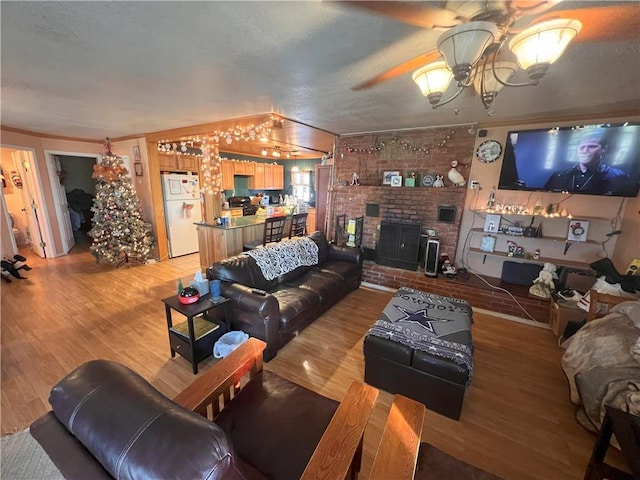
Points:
(437, 325)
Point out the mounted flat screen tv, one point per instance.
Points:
(599, 159)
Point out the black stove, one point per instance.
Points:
(239, 201)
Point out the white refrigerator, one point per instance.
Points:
(182, 209)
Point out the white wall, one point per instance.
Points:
(578, 206)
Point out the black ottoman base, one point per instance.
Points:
(397, 375)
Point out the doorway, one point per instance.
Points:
(23, 199)
(73, 190)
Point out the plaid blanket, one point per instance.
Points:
(437, 325)
(278, 258)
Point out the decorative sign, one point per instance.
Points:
(492, 223)
(578, 230)
(428, 179)
(488, 243)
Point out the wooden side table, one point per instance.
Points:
(626, 428)
(194, 338)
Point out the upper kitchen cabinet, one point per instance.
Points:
(188, 163)
(177, 163)
(267, 177)
(244, 168)
(227, 167)
(278, 177)
(168, 161)
(257, 181)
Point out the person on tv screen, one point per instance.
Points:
(591, 174)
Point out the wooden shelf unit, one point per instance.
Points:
(541, 260)
(543, 237)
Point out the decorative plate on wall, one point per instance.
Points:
(489, 151)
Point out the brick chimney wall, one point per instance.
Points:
(371, 155)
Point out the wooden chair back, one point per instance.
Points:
(595, 298)
(273, 229)
(298, 225)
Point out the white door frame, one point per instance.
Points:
(62, 216)
(37, 195)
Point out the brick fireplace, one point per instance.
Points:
(422, 151)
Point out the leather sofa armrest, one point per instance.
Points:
(397, 454)
(341, 442)
(256, 313)
(222, 378)
(347, 254)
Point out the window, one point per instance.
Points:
(301, 185)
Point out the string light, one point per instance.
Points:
(405, 145)
(211, 169)
(192, 146)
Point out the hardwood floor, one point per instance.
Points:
(517, 421)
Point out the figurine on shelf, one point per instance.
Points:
(455, 176)
(439, 181)
(492, 198)
(355, 180)
(544, 284)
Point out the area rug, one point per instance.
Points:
(22, 458)
(434, 464)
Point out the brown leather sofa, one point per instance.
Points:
(276, 310)
(108, 422)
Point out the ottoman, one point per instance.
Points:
(421, 347)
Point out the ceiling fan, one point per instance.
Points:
(471, 48)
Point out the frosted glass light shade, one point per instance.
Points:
(504, 70)
(432, 78)
(462, 45)
(544, 42)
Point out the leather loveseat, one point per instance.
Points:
(276, 310)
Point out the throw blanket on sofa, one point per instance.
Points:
(440, 326)
(275, 259)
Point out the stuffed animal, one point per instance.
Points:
(455, 176)
(544, 284)
(439, 181)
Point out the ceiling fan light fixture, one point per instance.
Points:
(484, 79)
(463, 45)
(540, 45)
(433, 79)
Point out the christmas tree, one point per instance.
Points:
(119, 232)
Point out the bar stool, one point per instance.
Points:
(273, 232)
(298, 225)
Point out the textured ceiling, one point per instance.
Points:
(96, 69)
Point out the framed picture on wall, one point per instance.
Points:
(578, 230)
(396, 181)
(136, 153)
(387, 176)
(137, 167)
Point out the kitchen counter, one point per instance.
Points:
(217, 242)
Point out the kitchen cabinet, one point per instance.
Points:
(227, 168)
(311, 220)
(244, 168)
(188, 163)
(168, 161)
(277, 181)
(257, 181)
(268, 177)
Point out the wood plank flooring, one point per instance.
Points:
(517, 421)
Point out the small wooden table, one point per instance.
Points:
(194, 338)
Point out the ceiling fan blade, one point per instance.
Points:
(615, 22)
(398, 70)
(530, 7)
(412, 13)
